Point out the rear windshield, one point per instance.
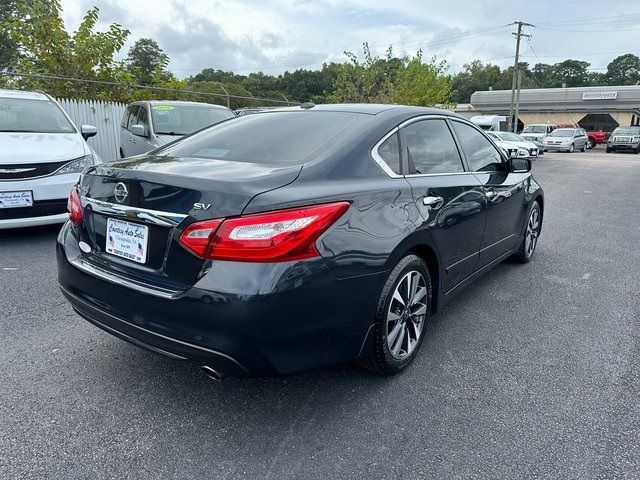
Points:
(627, 131)
(184, 119)
(283, 138)
(33, 116)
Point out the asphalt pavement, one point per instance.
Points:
(532, 372)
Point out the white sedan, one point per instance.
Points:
(517, 141)
(42, 154)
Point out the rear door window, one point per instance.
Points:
(430, 148)
(481, 155)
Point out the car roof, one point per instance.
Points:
(370, 109)
(4, 93)
(178, 103)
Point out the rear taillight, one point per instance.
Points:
(74, 206)
(277, 236)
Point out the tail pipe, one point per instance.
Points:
(212, 373)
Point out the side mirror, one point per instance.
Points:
(520, 165)
(88, 131)
(139, 130)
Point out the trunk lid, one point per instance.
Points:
(164, 194)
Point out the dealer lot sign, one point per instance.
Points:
(599, 95)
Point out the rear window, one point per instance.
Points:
(281, 138)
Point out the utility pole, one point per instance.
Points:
(514, 80)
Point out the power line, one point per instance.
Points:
(143, 87)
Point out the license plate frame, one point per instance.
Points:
(13, 199)
(127, 240)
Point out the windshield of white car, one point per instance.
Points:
(561, 133)
(32, 116)
(534, 129)
(627, 131)
(508, 137)
(184, 119)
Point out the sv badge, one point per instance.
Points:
(201, 206)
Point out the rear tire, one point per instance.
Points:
(592, 143)
(584, 148)
(529, 241)
(403, 308)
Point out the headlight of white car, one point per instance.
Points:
(76, 166)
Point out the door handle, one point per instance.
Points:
(133, 140)
(431, 201)
(491, 194)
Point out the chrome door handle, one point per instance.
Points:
(430, 201)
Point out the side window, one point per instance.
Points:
(133, 116)
(430, 148)
(125, 117)
(389, 151)
(143, 117)
(481, 155)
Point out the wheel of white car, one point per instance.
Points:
(572, 148)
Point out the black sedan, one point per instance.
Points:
(298, 238)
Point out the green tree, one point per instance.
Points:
(147, 60)
(475, 76)
(48, 49)
(624, 70)
(573, 73)
(424, 84)
(9, 48)
(212, 75)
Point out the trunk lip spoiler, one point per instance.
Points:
(154, 217)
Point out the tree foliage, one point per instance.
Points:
(624, 70)
(147, 61)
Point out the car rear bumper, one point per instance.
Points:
(49, 201)
(242, 319)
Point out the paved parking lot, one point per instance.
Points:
(532, 372)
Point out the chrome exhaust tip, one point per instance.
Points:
(212, 373)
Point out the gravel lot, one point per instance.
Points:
(532, 372)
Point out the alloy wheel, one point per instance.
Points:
(533, 230)
(406, 315)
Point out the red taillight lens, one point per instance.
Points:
(278, 236)
(197, 236)
(74, 206)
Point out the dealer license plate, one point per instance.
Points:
(16, 199)
(127, 240)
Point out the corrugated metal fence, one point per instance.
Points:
(105, 116)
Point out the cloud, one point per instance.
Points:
(278, 35)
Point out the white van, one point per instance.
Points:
(490, 123)
(42, 154)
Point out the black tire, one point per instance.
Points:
(524, 254)
(636, 150)
(571, 149)
(380, 358)
(592, 143)
(584, 148)
(608, 150)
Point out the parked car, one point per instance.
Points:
(597, 138)
(41, 156)
(624, 138)
(537, 131)
(296, 238)
(517, 141)
(151, 124)
(567, 140)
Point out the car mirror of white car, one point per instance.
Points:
(88, 131)
(139, 130)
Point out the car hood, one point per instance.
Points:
(16, 148)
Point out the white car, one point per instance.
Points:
(42, 154)
(516, 141)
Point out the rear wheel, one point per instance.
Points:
(584, 148)
(531, 234)
(402, 312)
(592, 143)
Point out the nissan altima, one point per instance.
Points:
(297, 238)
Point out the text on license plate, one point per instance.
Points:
(127, 240)
(16, 199)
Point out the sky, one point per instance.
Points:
(272, 36)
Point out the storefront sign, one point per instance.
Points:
(599, 95)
